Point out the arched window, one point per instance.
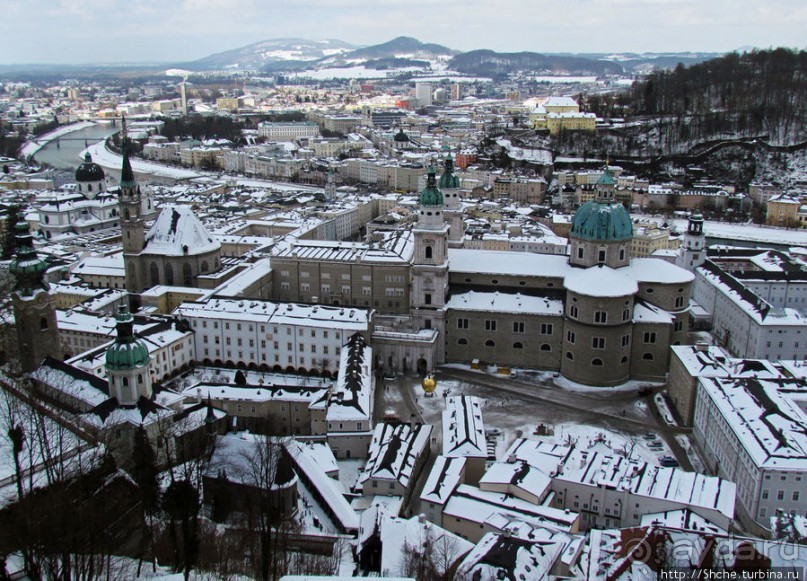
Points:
(169, 274)
(647, 356)
(462, 341)
(546, 347)
(43, 324)
(155, 274)
(573, 311)
(428, 252)
(89, 187)
(125, 382)
(204, 266)
(570, 355)
(518, 345)
(187, 275)
(596, 362)
(140, 379)
(490, 343)
(624, 359)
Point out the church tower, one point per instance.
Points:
(430, 265)
(127, 362)
(693, 250)
(34, 314)
(132, 224)
(449, 184)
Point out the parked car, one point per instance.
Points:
(668, 462)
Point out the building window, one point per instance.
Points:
(598, 342)
(518, 345)
(649, 337)
(490, 325)
(625, 340)
(569, 356)
(679, 302)
(462, 341)
(677, 326)
(518, 326)
(429, 252)
(796, 495)
(600, 317)
(462, 323)
(573, 311)
(624, 359)
(626, 314)
(601, 255)
(546, 328)
(596, 362)
(427, 298)
(580, 252)
(490, 343)
(621, 254)
(647, 356)
(570, 337)
(546, 347)
(780, 495)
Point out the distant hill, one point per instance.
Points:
(264, 54)
(490, 63)
(403, 46)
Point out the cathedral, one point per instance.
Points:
(176, 249)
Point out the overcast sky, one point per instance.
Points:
(91, 31)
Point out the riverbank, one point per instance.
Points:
(30, 148)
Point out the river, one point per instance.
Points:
(65, 155)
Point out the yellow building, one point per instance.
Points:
(783, 210)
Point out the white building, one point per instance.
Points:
(754, 432)
(748, 325)
(267, 335)
(290, 131)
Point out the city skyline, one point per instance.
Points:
(112, 31)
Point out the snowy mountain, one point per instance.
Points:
(289, 52)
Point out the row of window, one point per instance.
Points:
(597, 362)
(600, 317)
(516, 345)
(518, 326)
(263, 329)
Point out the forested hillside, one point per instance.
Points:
(756, 94)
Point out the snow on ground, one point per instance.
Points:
(31, 147)
(349, 471)
(111, 160)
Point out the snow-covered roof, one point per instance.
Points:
(352, 394)
(765, 416)
(463, 428)
(712, 361)
(600, 281)
(475, 505)
(682, 519)
(655, 270)
(445, 476)
(687, 489)
(327, 488)
(505, 303)
(262, 311)
(507, 263)
(515, 555)
(649, 314)
(178, 232)
(394, 452)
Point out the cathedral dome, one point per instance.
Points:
(89, 171)
(605, 221)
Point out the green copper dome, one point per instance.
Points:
(26, 266)
(603, 221)
(431, 195)
(128, 352)
(449, 179)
